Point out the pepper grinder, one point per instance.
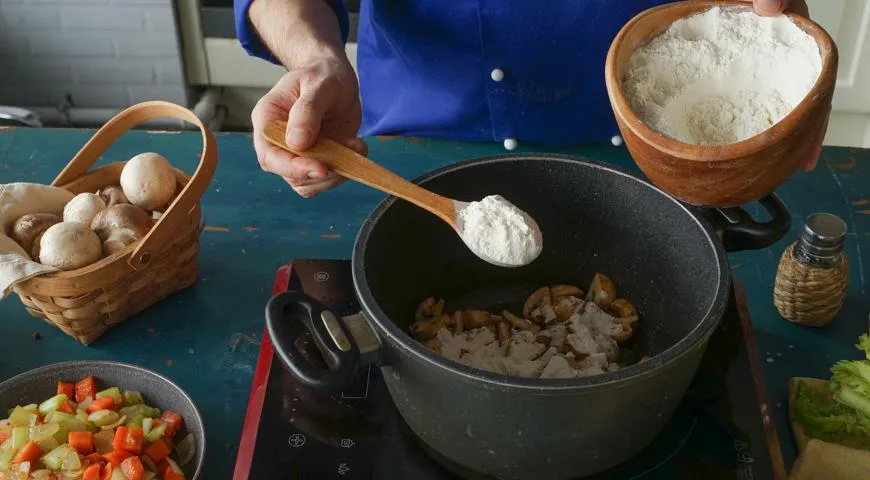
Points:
(813, 273)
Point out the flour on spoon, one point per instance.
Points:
(499, 232)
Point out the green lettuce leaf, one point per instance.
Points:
(827, 419)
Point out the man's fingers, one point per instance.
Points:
(357, 145)
(299, 170)
(770, 7)
(310, 190)
(305, 118)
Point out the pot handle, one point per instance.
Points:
(741, 232)
(292, 314)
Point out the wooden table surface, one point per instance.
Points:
(207, 338)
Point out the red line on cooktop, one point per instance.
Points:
(258, 389)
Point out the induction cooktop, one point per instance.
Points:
(721, 431)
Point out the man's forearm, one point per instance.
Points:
(297, 31)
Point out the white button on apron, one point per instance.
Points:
(497, 75)
(510, 143)
(616, 140)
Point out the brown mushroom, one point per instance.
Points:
(458, 325)
(472, 319)
(627, 328)
(558, 291)
(122, 216)
(520, 323)
(27, 231)
(504, 333)
(427, 328)
(536, 300)
(113, 195)
(121, 225)
(429, 308)
(626, 316)
(601, 291)
(118, 239)
(622, 308)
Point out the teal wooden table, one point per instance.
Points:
(207, 338)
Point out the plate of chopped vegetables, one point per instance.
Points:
(98, 420)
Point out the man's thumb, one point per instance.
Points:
(303, 121)
(770, 7)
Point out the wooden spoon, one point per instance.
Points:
(354, 166)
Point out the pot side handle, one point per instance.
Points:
(742, 232)
(292, 318)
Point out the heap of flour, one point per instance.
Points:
(721, 76)
(499, 232)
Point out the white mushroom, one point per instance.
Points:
(148, 181)
(82, 208)
(28, 230)
(69, 245)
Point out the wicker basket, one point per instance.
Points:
(85, 303)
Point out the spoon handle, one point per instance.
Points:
(354, 166)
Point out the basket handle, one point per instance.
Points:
(184, 202)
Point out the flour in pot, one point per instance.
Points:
(721, 76)
(497, 231)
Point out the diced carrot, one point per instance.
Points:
(128, 439)
(158, 450)
(86, 388)
(4, 436)
(66, 388)
(92, 472)
(107, 472)
(30, 452)
(173, 422)
(115, 458)
(102, 403)
(170, 443)
(93, 458)
(132, 468)
(120, 437)
(170, 474)
(67, 407)
(82, 442)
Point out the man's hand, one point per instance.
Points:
(319, 99)
(319, 95)
(771, 8)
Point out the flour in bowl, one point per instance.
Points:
(499, 232)
(721, 76)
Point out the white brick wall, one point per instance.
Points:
(97, 53)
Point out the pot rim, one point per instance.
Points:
(387, 328)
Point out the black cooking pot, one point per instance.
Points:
(666, 258)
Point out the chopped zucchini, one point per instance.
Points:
(113, 392)
(132, 397)
(52, 404)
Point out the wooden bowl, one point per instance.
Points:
(719, 175)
